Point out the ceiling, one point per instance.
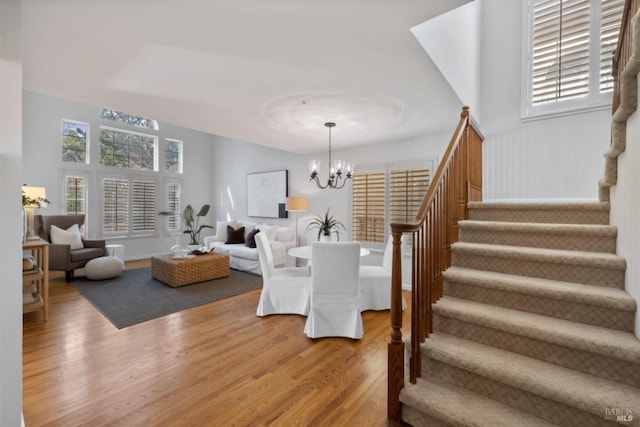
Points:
(266, 72)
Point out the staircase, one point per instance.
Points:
(534, 326)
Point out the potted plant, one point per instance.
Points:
(192, 225)
(325, 225)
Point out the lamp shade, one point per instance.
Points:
(35, 196)
(299, 204)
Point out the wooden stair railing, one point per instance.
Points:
(457, 180)
(622, 53)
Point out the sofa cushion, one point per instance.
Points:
(85, 254)
(241, 251)
(248, 227)
(219, 247)
(221, 229)
(269, 230)
(234, 235)
(250, 241)
(70, 236)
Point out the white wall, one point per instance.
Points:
(559, 158)
(625, 209)
(452, 40)
(43, 164)
(10, 214)
(233, 160)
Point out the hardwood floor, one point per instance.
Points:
(216, 364)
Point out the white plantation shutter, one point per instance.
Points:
(143, 206)
(368, 207)
(611, 16)
(115, 196)
(560, 50)
(571, 45)
(407, 189)
(173, 205)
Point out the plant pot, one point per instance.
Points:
(330, 238)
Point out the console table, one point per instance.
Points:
(38, 277)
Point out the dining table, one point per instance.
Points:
(305, 252)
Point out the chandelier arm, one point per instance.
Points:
(315, 178)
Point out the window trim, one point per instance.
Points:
(87, 145)
(156, 150)
(594, 100)
(180, 156)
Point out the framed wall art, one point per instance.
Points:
(267, 194)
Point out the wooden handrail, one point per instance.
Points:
(457, 180)
(622, 54)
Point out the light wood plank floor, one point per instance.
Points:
(213, 365)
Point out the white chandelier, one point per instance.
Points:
(339, 171)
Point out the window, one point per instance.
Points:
(75, 195)
(130, 119)
(74, 142)
(173, 155)
(569, 54)
(173, 205)
(368, 207)
(129, 206)
(407, 189)
(380, 198)
(130, 150)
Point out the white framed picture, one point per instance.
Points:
(267, 194)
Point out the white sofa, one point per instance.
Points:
(242, 257)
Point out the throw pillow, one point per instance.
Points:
(251, 238)
(221, 229)
(285, 234)
(269, 230)
(234, 236)
(70, 236)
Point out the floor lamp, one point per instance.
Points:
(297, 204)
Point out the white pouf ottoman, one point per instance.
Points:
(105, 267)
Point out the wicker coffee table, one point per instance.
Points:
(186, 271)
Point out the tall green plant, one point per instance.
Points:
(191, 221)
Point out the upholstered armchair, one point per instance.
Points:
(61, 256)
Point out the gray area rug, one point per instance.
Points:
(135, 297)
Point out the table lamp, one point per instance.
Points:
(32, 199)
(297, 204)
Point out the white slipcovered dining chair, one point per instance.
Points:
(284, 290)
(375, 281)
(334, 310)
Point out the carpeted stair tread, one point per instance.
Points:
(461, 407)
(551, 228)
(566, 386)
(569, 213)
(595, 295)
(556, 256)
(579, 206)
(589, 338)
